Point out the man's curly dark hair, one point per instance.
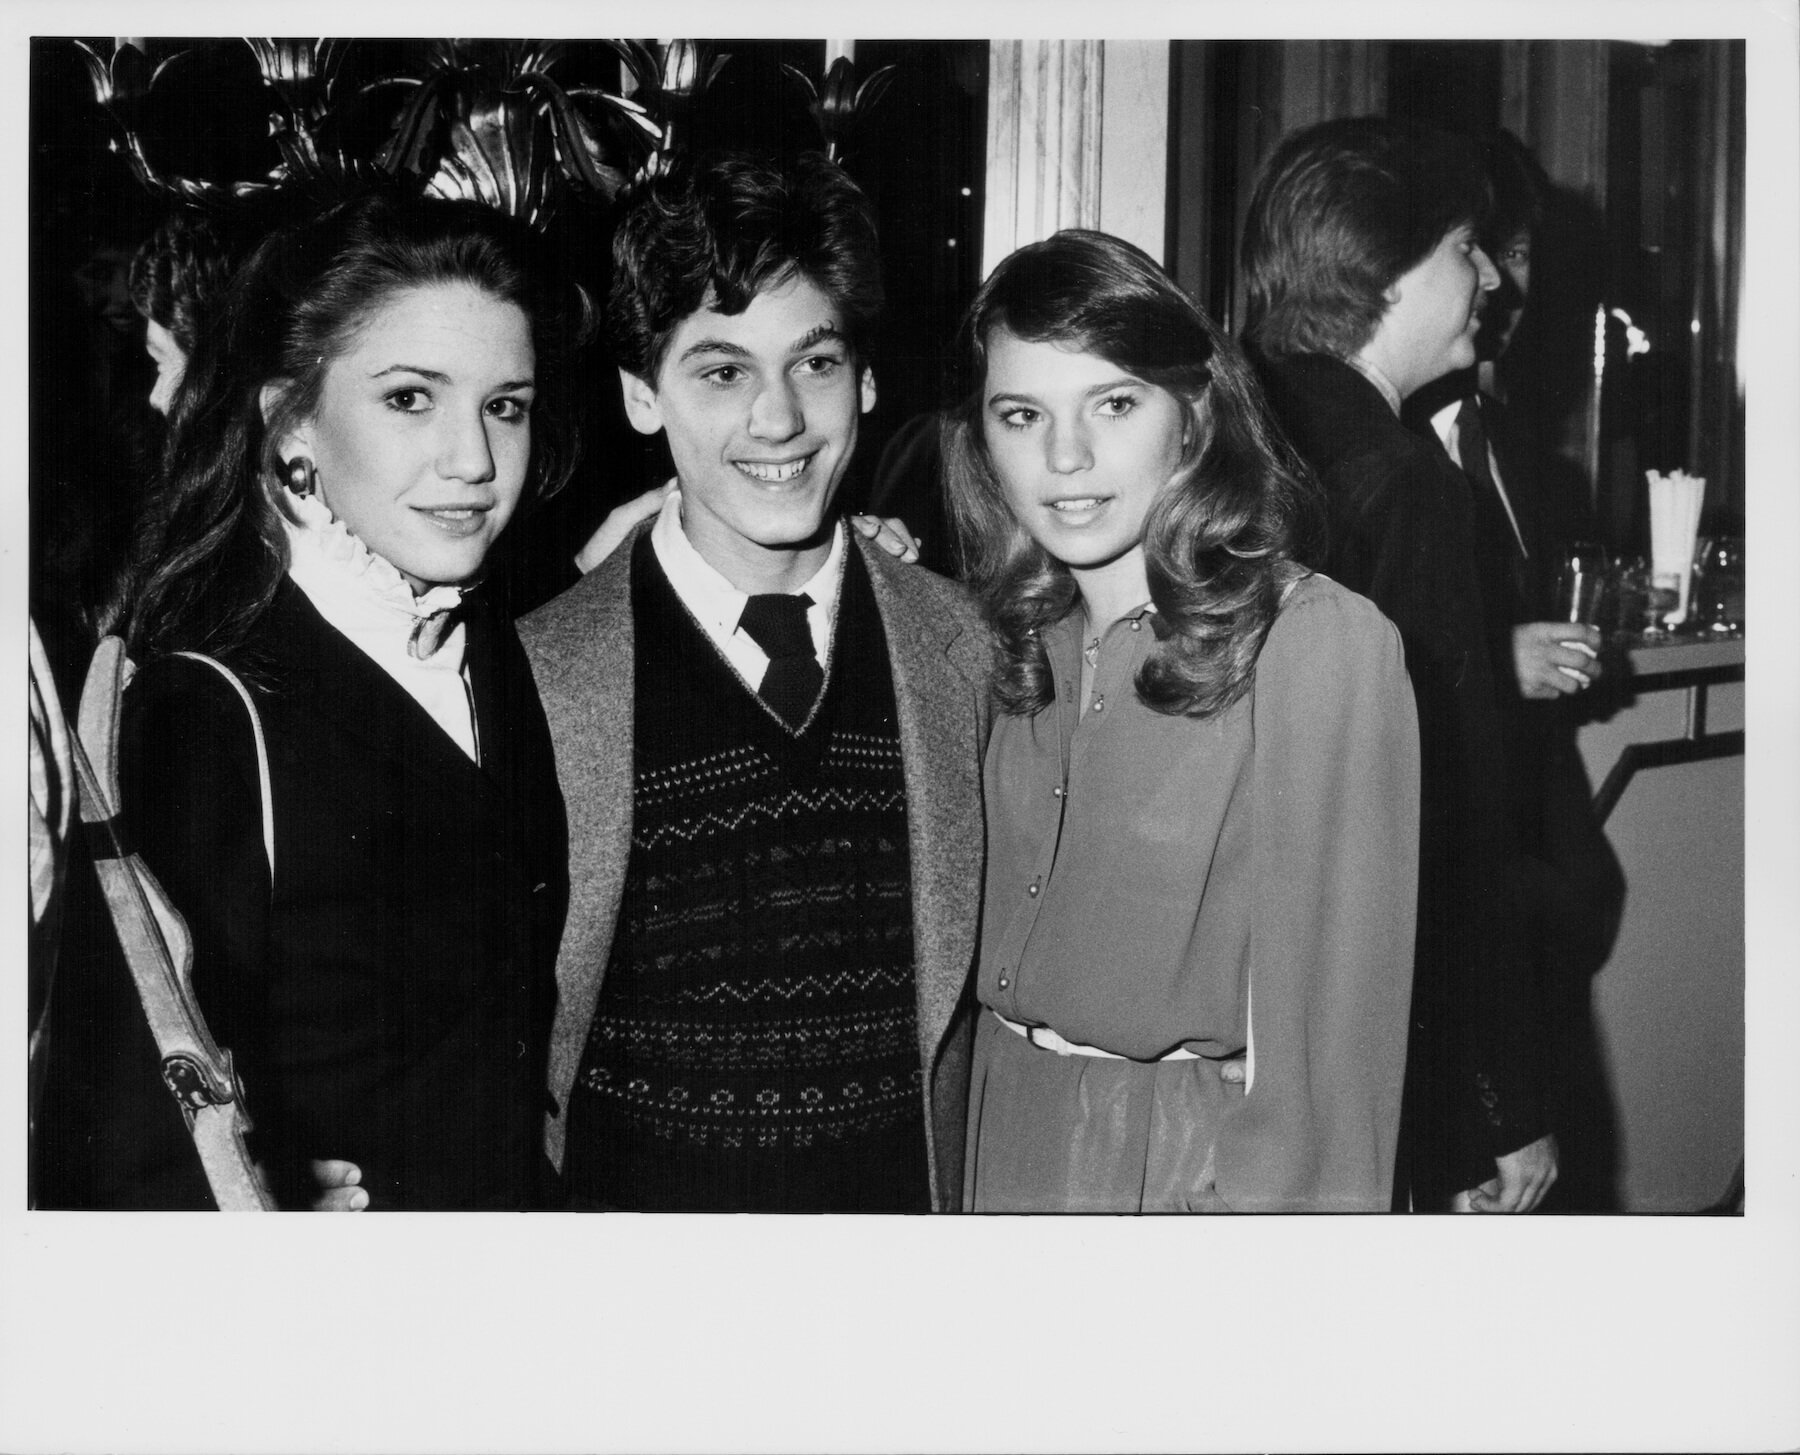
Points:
(716, 231)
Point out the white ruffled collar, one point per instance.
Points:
(318, 534)
(365, 596)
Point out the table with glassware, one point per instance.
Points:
(1664, 749)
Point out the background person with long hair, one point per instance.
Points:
(1201, 787)
(375, 398)
(176, 276)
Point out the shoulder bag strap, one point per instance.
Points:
(262, 751)
(158, 949)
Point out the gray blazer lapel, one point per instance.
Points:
(581, 648)
(939, 654)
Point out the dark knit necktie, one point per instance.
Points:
(777, 624)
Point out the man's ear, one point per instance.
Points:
(868, 389)
(298, 439)
(641, 406)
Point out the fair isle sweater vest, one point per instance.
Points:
(755, 1043)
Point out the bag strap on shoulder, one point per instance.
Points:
(262, 750)
(158, 948)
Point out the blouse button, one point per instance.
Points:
(1099, 703)
(1135, 624)
(1056, 792)
(1004, 982)
(1032, 888)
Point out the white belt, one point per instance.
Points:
(1049, 1040)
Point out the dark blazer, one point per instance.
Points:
(387, 999)
(1402, 532)
(581, 645)
(1571, 889)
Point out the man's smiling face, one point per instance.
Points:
(761, 411)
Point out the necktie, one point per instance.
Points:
(1471, 444)
(1490, 499)
(777, 624)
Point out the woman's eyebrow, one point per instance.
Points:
(437, 377)
(1124, 381)
(431, 374)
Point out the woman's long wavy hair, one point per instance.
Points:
(213, 551)
(1219, 544)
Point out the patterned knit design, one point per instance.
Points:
(755, 1043)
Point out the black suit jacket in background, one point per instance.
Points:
(1401, 530)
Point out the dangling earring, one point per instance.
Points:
(299, 473)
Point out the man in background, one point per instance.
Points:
(1366, 282)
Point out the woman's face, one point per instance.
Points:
(170, 361)
(423, 430)
(1081, 447)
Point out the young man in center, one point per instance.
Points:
(769, 738)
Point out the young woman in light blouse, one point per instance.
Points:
(1202, 785)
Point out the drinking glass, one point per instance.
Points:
(1640, 603)
(1721, 568)
(1581, 588)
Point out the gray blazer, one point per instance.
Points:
(581, 651)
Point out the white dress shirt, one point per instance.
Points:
(718, 605)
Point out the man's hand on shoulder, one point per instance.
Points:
(619, 523)
(890, 533)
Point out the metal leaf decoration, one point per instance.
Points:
(490, 122)
(841, 105)
(121, 82)
(300, 72)
(491, 158)
(668, 86)
(302, 75)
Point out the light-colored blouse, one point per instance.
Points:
(1239, 884)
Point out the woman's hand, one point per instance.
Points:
(337, 1184)
(620, 523)
(1555, 657)
(890, 533)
